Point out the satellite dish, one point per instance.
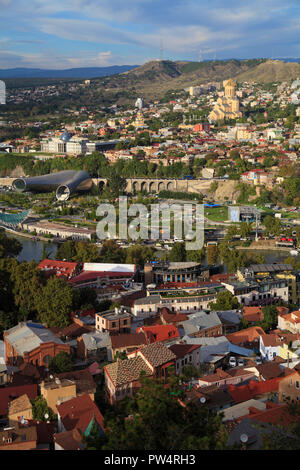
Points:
(46, 415)
(51, 376)
(202, 399)
(244, 438)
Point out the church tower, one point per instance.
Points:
(229, 86)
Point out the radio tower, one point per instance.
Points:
(161, 50)
(200, 58)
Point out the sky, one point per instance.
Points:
(61, 34)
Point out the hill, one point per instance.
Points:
(153, 79)
(83, 72)
(271, 71)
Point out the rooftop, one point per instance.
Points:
(27, 336)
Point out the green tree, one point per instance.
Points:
(225, 301)
(54, 303)
(178, 252)
(40, 410)
(158, 422)
(211, 254)
(62, 362)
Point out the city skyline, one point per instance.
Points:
(82, 33)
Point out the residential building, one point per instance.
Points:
(79, 413)
(122, 377)
(113, 321)
(94, 346)
(128, 342)
(18, 438)
(167, 334)
(230, 377)
(248, 337)
(186, 355)
(19, 409)
(56, 391)
(290, 321)
(289, 387)
(10, 393)
(201, 324)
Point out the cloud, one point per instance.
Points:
(134, 28)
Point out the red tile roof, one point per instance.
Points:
(160, 332)
(253, 314)
(277, 414)
(78, 412)
(60, 268)
(181, 350)
(171, 317)
(246, 335)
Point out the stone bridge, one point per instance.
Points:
(155, 185)
(152, 185)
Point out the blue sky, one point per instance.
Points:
(86, 33)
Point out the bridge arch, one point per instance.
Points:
(170, 186)
(143, 185)
(135, 186)
(152, 186)
(161, 186)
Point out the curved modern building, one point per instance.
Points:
(64, 183)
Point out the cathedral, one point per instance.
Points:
(228, 106)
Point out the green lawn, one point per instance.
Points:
(216, 214)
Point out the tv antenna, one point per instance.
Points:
(215, 56)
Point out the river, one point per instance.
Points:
(33, 250)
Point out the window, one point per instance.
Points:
(297, 384)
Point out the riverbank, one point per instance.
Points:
(28, 235)
(260, 248)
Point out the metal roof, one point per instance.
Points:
(28, 336)
(260, 268)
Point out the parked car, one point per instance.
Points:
(258, 360)
(232, 361)
(240, 362)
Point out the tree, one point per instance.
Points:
(40, 409)
(154, 420)
(66, 251)
(225, 301)
(9, 246)
(116, 184)
(54, 303)
(270, 314)
(62, 362)
(110, 252)
(178, 252)
(245, 229)
(139, 254)
(211, 254)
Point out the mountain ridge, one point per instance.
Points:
(79, 72)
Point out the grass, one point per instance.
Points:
(216, 214)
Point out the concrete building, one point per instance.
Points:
(113, 321)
